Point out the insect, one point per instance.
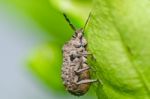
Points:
(75, 70)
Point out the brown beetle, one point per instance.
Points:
(75, 70)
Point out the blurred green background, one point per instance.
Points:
(32, 35)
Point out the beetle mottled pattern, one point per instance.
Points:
(75, 70)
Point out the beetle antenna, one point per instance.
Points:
(86, 22)
(67, 19)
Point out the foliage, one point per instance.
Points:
(45, 60)
(117, 34)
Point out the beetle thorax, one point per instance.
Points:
(79, 33)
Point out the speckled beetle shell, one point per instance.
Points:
(71, 63)
(75, 70)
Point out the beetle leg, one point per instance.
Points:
(81, 54)
(81, 70)
(86, 81)
(85, 54)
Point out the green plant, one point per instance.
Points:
(118, 36)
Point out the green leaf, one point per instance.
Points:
(45, 16)
(46, 62)
(75, 8)
(118, 36)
